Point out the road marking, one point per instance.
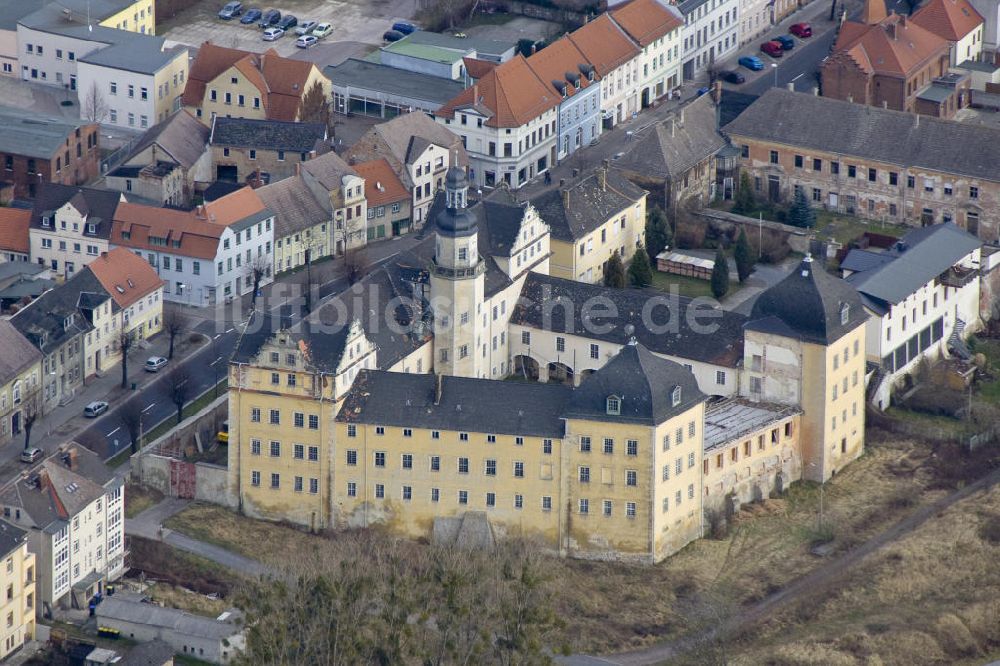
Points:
(148, 407)
(799, 76)
(230, 330)
(216, 361)
(217, 336)
(113, 431)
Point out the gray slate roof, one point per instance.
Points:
(267, 134)
(894, 137)
(180, 135)
(589, 204)
(807, 304)
(294, 206)
(858, 259)
(32, 135)
(16, 352)
(44, 317)
(695, 137)
(485, 48)
(11, 537)
(730, 419)
(477, 405)
(644, 384)
(145, 56)
(132, 611)
(98, 206)
(362, 75)
(919, 257)
(545, 301)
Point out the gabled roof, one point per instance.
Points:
(198, 239)
(510, 95)
(181, 136)
(477, 405)
(238, 209)
(576, 209)
(477, 68)
(294, 206)
(561, 66)
(604, 44)
(894, 137)
(809, 304)
(44, 320)
(645, 21)
(97, 206)
(382, 186)
(950, 19)
(919, 257)
(643, 383)
(125, 275)
(17, 354)
(125, 608)
(11, 538)
(674, 145)
(267, 134)
(499, 217)
(328, 170)
(210, 61)
(895, 46)
(14, 225)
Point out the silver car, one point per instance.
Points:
(154, 363)
(95, 409)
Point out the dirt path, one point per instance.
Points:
(812, 583)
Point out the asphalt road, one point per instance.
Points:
(799, 66)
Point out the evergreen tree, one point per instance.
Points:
(801, 214)
(744, 202)
(614, 274)
(720, 274)
(658, 235)
(315, 107)
(743, 254)
(640, 273)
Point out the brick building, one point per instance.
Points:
(243, 146)
(871, 162)
(36, 149)
(891, 61)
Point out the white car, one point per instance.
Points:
(305, 41)
(154, 363)
(273, 34)
(95, 409)
(305, 27)
(322, 30)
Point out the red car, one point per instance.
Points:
(801, 30)
(772, 49)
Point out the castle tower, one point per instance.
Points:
(457, 284)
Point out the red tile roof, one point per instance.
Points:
(233, 207)
(477, 68)
(510, 95)
(604, 44)
(125, 275)
(895, 46)
(382, 185)
(950, 19)
(211, 61)
(560, 62)
(646, 20)
(198, 238)
(14, 223)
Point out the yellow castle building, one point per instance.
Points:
(635, 413)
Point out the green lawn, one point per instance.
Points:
(686, 286)
(845, 228)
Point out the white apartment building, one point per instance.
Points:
(206, 255)
(755, 20)
(70, 226)
(616, 59)
(657, 29)
(72, 506)
(922, 297)
(711, 33)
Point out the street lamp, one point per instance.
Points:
(774, 66)
(822, 486)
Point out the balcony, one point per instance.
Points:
(957, 277)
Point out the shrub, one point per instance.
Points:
(989, 530)
(769, 244)
(690, 234)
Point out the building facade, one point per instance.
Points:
(711, 33)
(657, 29)
(243, 148)
(21, 387)
(70, 226)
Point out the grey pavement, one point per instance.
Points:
(763, 276)
(149, 523)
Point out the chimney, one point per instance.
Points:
(565, 198)
(602, 178)
(815, 91)
(885, 104)
(200, 212)
(438, 388)
(475, 93)
(576, 173)
(916, 120)
(606, 163)
(104, 255)
(891, 29)
(72, 458)
(43, 479)
(562, 183)
(791, 86)
(850, 98)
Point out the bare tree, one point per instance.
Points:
(95, 107)
(179, 387)
(30, 416)
(174, 323)
(126, 340)
(257, 270)
(355, 264)
(130, 415)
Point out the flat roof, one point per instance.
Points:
(935, 93)
(142, 56)
(488, 47)
(979, 66)
(427, 52)
(732, 419)
(392, 82)
(32, 135)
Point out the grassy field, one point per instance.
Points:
(845, 228)
(163, 563)
(687, 286)
(138, 499)
(179, 597)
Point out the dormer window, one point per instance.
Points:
(845, 313)
(675, 396)
(68, 322)
(91, 228)
(614, 405)
(46, 222)
(577, 84)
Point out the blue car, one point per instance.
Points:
(752, 63)
(404, 27)
(787, 43)
(251, 16)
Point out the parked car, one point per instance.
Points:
(701, 91)
(787, 43)
(305, 41)
(154, 363)
(801, 30)
(273, 34)
(305, 27)
(392, 35)
(287, 22)
(772, 49)
(753, 63)
(251, 15)
(31, 455)
(730, 76)
(404, 27)
(231, 10)
(322, 30)
(95, 409)
(269, 18)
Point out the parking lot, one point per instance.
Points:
(352, 20)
